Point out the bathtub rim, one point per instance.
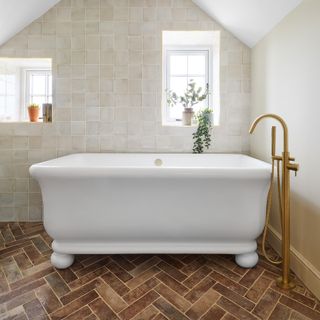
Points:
(49, 169)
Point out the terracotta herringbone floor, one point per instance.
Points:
(138, 287)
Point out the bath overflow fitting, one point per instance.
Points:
(158, 162)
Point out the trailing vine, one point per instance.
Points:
(202, 137)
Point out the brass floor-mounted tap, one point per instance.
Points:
(284, 281)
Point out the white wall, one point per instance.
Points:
(285, 80)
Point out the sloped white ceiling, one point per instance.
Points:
(248, 20)
(15, 15)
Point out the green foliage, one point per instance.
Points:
(33, 106)
(202, 137)
(192, 96)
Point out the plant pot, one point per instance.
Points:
(187, 116)
(33, 114)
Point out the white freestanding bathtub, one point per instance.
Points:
(153, 203)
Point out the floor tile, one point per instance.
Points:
(139, 287)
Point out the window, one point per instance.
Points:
(185, 65)
(7, 95)
(22, 82)
(190, 56)
(38, 86)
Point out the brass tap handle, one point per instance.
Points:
(293, 167)
(273, 139)
(274, 157)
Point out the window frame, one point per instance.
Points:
(27, 74)
(184, 50)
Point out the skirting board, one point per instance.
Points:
(303, 268)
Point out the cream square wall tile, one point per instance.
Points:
(107, 89)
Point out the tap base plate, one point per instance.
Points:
(285, 285)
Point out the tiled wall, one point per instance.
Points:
(107, 84)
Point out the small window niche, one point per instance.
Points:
(190, 56)
(25, 82)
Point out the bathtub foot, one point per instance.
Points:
(62, 260)
(247, 260)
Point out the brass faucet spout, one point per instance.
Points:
(282, 122)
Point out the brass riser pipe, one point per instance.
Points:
(284, 281)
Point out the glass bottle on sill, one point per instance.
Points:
(47, 112)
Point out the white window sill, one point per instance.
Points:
(22, 121)
(178, 124)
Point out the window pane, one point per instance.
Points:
(2, 106)
(7, 107)
(2, 85)
(11, 101)
(178, 85)
(38, 100)
(197, 64)
(38, 84)
(10, 84)
(178, 65)
(200, 82)
(176, 112)
(50, 86)
(11, 110)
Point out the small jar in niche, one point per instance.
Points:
(47, 112)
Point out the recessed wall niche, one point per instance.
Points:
(25, 82)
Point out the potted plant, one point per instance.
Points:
(192, 96)
(202, 137)
(33, 111)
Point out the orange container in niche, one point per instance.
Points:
(33, 111)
